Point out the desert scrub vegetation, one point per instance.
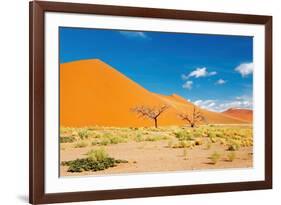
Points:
(96, 160)
(183, 135)
(155, 138)
(212, 136)
(67, 130)
(230, 136)
(184, 144)
(97, 154)
(68, 139)
(233, 147)
(188, 139)
(115, 139)
(108, 138)
(139, 138)
(81, 144)
(215, 157)
(83, 133)
(231, 156)
(149, 136)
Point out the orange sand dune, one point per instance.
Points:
(93, 93)
(242, 114)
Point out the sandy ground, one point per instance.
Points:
(158, 157)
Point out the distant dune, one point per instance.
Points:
(242, 114)
(93, 93)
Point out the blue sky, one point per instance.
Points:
(213, 71)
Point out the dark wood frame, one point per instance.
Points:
(36, 100)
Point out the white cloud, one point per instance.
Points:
(235, 104)
(187, 85)
(245, 102)
(184, 77)
(220, 82)
(245, 69)
(243, 97)
(197, 73)
(212, 73)
(206, 104)
(134, 34)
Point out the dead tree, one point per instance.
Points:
(152, 113)
(194, 118)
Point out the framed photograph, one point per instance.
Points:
(139, 102)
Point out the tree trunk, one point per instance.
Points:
(155, 122)
(192, 125)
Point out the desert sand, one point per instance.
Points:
(94, 93)
(96, 103)
(157, 150)
(242, 114)
(156, 157)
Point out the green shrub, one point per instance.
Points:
(155, 138)
(95, 142)
(150, 139)
(139, 138)
(104, 142)
(183, 144)
(80, 144)
(219, 134)
(231, 156)
(96, 160)
(83, 134)
(88, 164)
(215, 157)
(211, 135)
(107, 135)
(67, 139)
(183, 135)
(98, 154)
(108, 138)
(118, 161)
(197, 133)
(116, 140)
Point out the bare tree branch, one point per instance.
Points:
(192, 119)
(147, 112)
